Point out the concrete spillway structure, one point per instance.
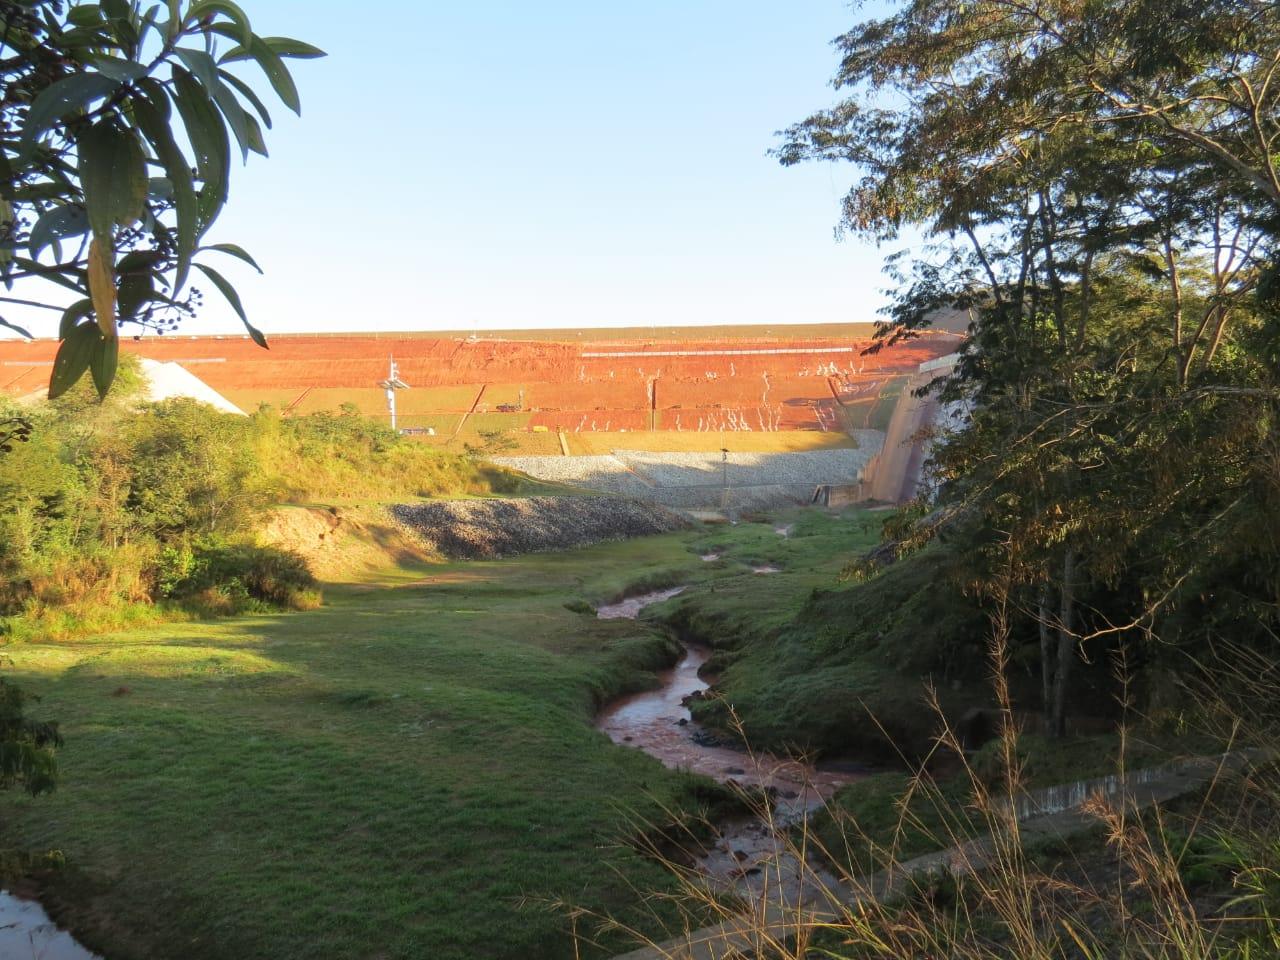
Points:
(895, 474)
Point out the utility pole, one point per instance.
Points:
(724, 481)
(391, 385)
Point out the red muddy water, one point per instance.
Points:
(748, 854)
(657, 722)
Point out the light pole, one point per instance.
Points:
(724, 480)
(391, 385)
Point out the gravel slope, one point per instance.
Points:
(485, 529)
(690, 480)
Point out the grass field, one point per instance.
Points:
(387, 776)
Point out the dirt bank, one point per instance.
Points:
(343, 543)
(486, 529)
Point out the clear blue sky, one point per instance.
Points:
(510, 164)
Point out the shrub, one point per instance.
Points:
(225, 578)
(281, 577)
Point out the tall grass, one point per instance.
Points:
(342, 457)
(124, 512)
(1196, 878)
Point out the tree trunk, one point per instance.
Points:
(1047, 656)
(1066, 645)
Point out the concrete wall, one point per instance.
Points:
(895, 474)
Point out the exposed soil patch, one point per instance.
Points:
(487, 529)
(340, 542)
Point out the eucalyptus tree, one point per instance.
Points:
(1096, 183)
(117, 126)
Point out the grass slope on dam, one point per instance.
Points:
(406, 772)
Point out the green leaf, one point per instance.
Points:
(208, 136)
(113, 173)
(286, 47)
(56, 223)
(156, 95)
(234, 250)
(134, 292)
(73, 358)
(6, 225)
(253, 135)
(272, 66)
(103, 362)
(85, 15)
(124, 71)
(6, 176)
(156, 129)
(206, 8)
(135, 281)
(238, 120)
(73, 315)
(115, 9)
(206, 71)
(233, 298)
(62, 97)
(248, 93)
(202, 66)
(137, 261)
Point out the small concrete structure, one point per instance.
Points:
(166, 381)
(895, 474)
(1051, 815)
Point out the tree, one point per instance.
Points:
(1097, 182)
(116, 127)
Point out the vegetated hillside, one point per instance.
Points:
(808, 663)
(110, 512)
(850, 668)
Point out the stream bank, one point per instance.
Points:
(747, 853)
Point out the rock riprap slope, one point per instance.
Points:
(487, 529)
(691, 480)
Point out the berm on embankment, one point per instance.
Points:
(492, 528)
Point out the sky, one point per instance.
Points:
(481, 165)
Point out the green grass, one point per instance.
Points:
(390, 775)
(807, 662)
(411, 770)
(387, 776)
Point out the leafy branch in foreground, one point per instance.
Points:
(116, 129)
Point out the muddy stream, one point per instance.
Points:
(747, 854)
